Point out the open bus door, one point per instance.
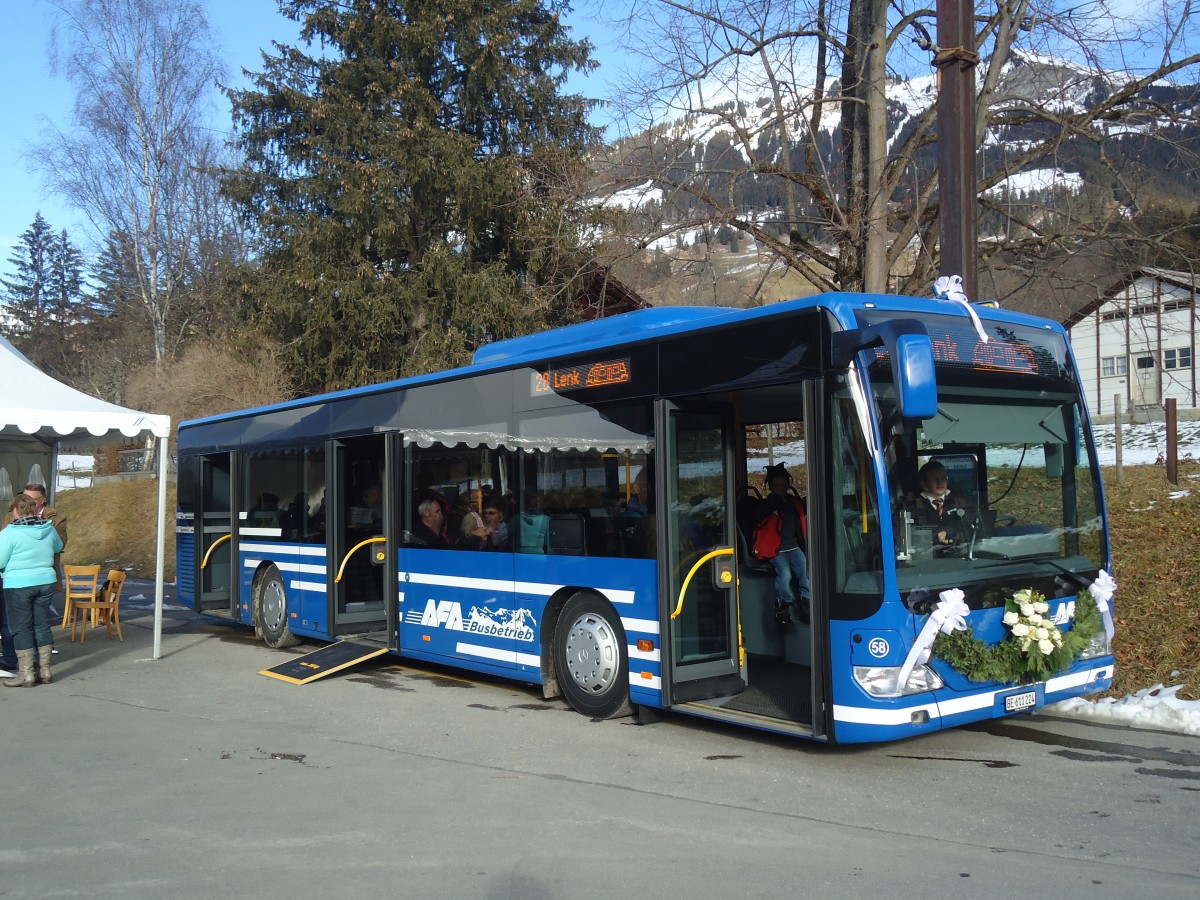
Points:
(365, 475)
(699, 562)
(215, 537)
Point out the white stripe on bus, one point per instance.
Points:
(953, 706)
(654, 655)
(496, 584)
(646, 626)
(861, 715)
(509, 656)
(284, 566)
(1076, 679)
(315, 586)
(297, 549)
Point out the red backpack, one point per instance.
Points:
(767, 536)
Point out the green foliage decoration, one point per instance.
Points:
(1017, 659)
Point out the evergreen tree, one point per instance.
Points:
(26, 294)
(411, 181)
(47, 299)
(68, 310)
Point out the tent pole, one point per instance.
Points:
(160, 551)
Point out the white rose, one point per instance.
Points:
(1020, 629)
(1041, 634)
(1027, 609)
(1046, 646)
(1010, 618)
(1041, 607)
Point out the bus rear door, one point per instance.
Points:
(215, 539)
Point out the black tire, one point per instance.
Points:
(590, 657)
(273, 611)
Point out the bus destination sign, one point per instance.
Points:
(581, 377)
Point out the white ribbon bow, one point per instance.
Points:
(1102, 590)
(950, 287)
(949, 616)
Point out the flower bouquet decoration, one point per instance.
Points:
(1034, 648)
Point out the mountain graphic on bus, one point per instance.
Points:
(517, 624)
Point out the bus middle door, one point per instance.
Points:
(700, 562)
(361, 554)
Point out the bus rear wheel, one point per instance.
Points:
(590, 657)
(273, 611)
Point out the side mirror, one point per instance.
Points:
(912, 371)
(911, 351)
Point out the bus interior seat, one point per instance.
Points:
(567, 535)
(756, 600)
(852, 528)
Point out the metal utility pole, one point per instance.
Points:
(955, 61)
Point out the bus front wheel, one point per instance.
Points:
(273, 612)
(590, 657)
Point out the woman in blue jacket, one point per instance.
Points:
(27, 548)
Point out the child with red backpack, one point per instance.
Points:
(782, 537)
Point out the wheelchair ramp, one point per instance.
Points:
(323, 661)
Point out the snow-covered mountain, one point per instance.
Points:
(735, 150)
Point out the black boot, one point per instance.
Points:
(783, 612)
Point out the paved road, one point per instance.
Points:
(193, 776)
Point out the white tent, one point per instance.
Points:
(39, 411)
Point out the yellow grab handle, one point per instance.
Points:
(723, 551)
(342, 568)
(213, 546)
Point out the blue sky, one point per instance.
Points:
(32, 98)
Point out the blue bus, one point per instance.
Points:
(621, 464)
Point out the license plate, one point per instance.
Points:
(1018, 702)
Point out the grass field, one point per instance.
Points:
(1155, 541)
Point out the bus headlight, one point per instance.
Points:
(1097, 646)
(880, 681)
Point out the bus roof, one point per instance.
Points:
(639, 326)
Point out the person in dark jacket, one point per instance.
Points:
(791, 561)
(939, 507)
(430, 529)
(28, 546)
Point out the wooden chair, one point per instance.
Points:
(105, 608)
(81, 585)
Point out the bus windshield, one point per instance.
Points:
(999, 490)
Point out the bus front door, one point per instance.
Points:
(360, 552)
(701, 567)
(215, 540)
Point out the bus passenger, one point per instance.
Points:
(368, 516)
(471, 530)
(937, 506)
(497, 528)
(532, 526)
(428, 530)
(790, 561)
(265, 510)
(641, 534)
